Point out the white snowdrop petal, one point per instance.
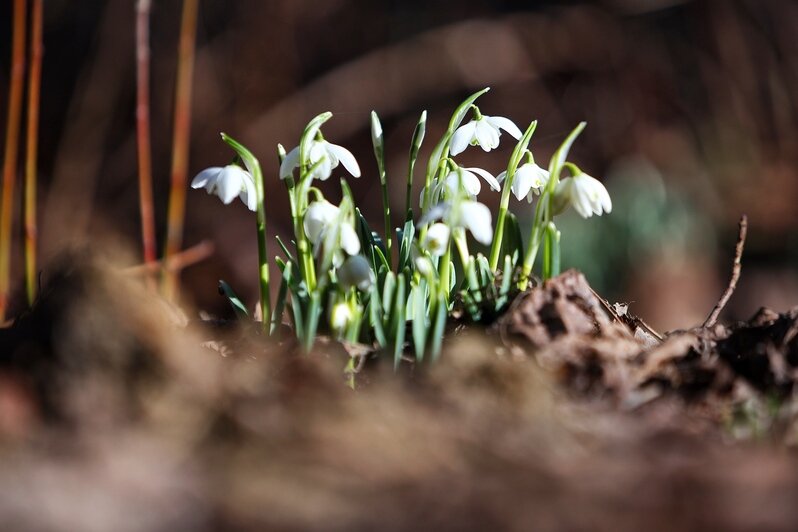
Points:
(505, 124)
(229, 183)
(462, 138)
(487, 176)
(290, 162)
(209, 175)
(349, 240)
(476, 218)
(487, 136)
(437, 239)
(345, 157)
(522, 183)
(248, 193)
(317, 217)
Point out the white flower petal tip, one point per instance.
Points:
(529, 179)
(467, 178)
(483, 132)
(227, 183)
(437, 239)
(476, 217)
(324, 157)
(468, 214)
(585, 193)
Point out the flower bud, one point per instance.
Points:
(357, 272)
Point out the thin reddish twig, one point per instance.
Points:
(736, 266)
(143, 133)
(17, 79)
(177, 262)
(180, 144)
(32, 148)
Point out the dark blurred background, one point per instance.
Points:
(691, 107)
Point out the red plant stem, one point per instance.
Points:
(32, 148)
(180, 143)
(17, 79)
(143, 133)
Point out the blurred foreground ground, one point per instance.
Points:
(115, 416)
(691, 108)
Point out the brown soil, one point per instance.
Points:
(569, 414)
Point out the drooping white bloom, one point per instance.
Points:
(326, 154)
(587, 195)
(227, 183)
(476, 217)
(322, 216)
(483, 132)
(357, 272)
(469, 181)
(340, 316)
(467, 214)
(529, 179)
(437, 239)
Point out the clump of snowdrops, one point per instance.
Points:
(341, 277)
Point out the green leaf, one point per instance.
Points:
(507, 279)
(285, 249)
(405, 236)
(420, 320)
(375, 313)
(388, 291)
(238, 307)
(312, 321)
(281, 296)
(438, 328)
(398, 321)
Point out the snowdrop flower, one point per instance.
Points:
(320, 217)
(437, 239)
(423, 264)
(340, 316)
(529, 179)
(326, 154)
(469, 180)
(483, 131)
(227, 183)
(587, 195)
(467, 214)
(356, 272)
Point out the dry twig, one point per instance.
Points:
(738, 254)
(176, 262)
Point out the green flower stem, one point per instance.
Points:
(512, 166)
(415, 146)
(253, 166)
(444, 273)
(378, 140)
(534, 242)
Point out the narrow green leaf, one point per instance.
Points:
(376, 316)
(439, 326)
(238, 307)
(282, 293)
(398, 322)
(420, 320)
(284, 248)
